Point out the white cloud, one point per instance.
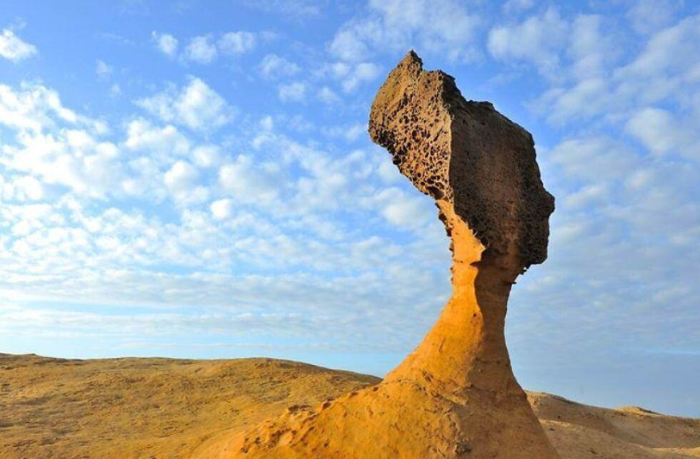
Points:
(661, 133)
(403, 210)
(350, 133)
(593, 159)
(182, 182)
(582, 101)
(328, 96)
(102, 69)
(236, 43)
(68, 246)
(538, 40)
(296, 9)
(89, 167)
(157, 142)
(33, 107)
(205, 49)
(195, 105)
(350, 44)
(14, 48)
(395, 25)
(115, 90)
(54, 145)
(248, 181)
(267, 123)
(207, 156)
(667, 52)
(222, 209)
(71, 250)
(659, 73)
(29, 188)
(181, 177)
(274, 66)
(355, 132)
(625, 220)
(591, 49)
(651, 15)
(295, 91)
(166, 43)
(387, 172)
(589, 195)
(201, 50)
(353, 76)
(514, 6)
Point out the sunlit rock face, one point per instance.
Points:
(455, 396)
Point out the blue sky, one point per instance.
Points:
(194, 179)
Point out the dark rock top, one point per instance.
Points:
(468, 154)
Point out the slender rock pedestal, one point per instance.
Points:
(455, 396)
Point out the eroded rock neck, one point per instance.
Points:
(466, 348)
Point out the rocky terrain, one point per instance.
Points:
(169, 409)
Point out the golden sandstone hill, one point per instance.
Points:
(170, 409)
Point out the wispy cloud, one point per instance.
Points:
(440, 27)
(206, 49)
(14, 48)
(166, 43)
(195, 105)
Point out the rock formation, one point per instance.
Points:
(455, 396)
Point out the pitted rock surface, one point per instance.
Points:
(466, 153)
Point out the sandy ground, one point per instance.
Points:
(163, 408)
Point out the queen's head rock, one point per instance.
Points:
(466, 154)
(455, 395)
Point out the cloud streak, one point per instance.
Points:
(15, 49)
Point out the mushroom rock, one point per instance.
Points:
(455, 396)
